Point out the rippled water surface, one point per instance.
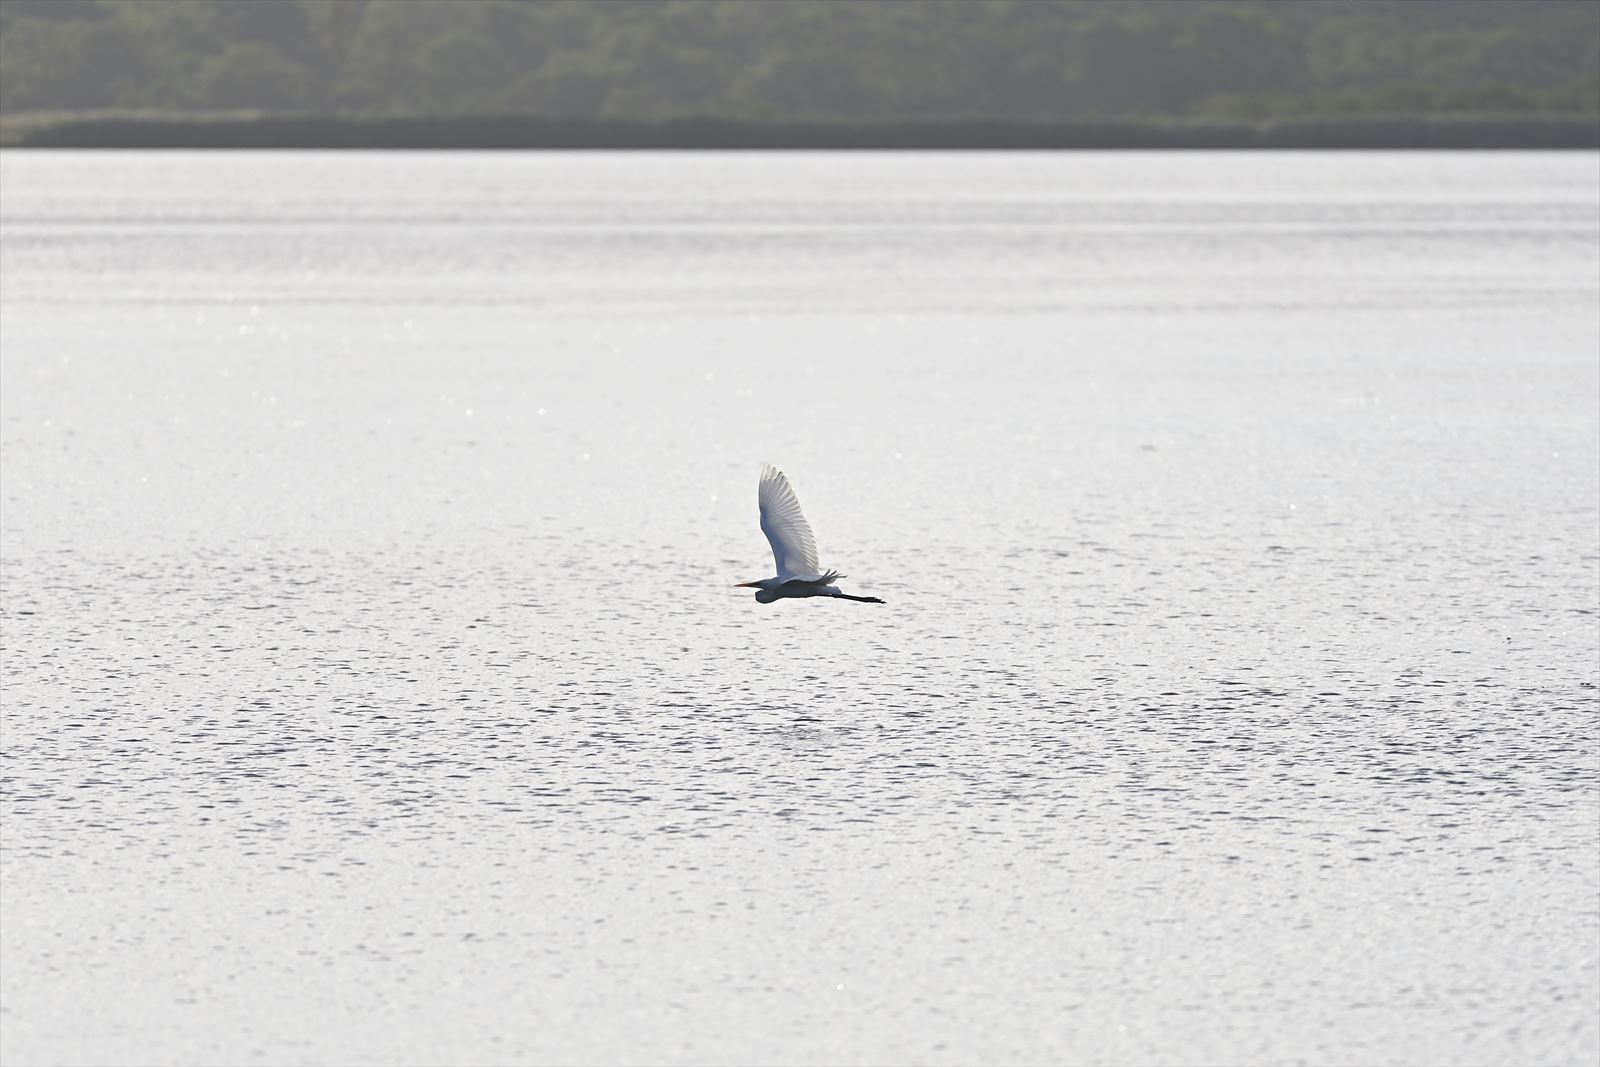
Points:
(374, 690)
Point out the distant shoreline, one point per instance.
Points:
(1389, 132)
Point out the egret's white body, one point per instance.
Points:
(794, 548)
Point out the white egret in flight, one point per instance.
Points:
(794, 549)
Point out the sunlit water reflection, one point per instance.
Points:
(375, 691)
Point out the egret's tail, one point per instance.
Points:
(859, 599)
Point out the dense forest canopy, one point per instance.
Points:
(783, 59)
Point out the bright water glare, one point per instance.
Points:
(375, 690)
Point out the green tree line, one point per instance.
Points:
(803, 59)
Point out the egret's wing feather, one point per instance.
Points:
(794, 549)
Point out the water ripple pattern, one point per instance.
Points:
(375, 690)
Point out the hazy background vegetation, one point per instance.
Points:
(799, 59)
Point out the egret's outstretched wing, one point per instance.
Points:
(794, 549)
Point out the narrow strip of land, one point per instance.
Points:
(496, 132)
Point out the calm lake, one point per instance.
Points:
(375, 691)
